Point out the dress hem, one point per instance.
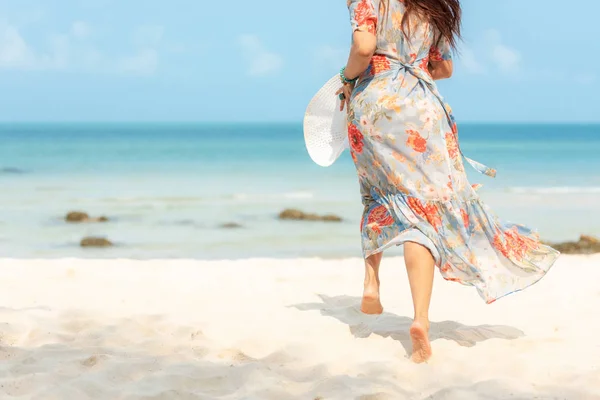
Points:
(534, 262)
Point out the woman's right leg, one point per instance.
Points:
(420, 266)
(370, 301)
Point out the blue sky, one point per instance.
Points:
(262, 60)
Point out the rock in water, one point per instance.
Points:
(331, 218)
(585, 245)
(589, 239)
(95, 242)
(291, 214)
(80, 216)
(297, 215)
(230, 225)
(77, 216)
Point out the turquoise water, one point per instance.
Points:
(168, 187)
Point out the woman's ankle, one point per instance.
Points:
(422, 319)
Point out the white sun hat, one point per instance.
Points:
(325, 126)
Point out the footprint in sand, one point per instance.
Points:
(236, 355)
(93, 360)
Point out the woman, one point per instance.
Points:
(413, 184)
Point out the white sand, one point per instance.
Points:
(269, 329)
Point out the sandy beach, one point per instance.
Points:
(286, 329)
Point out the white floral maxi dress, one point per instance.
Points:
(413, 184)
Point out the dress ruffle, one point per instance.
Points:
(468, 242)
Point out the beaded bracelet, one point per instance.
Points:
(344, 79)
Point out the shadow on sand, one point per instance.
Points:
(346, 309)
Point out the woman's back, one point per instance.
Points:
(416, 41)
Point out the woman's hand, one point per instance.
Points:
(346, 91)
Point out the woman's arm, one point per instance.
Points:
(363, 19)
(441, 69)
(363, 47)
(440, 59)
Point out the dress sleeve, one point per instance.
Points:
(441, 50)
(363, 15)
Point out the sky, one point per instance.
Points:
(263, 60)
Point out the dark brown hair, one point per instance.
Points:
(444, 15)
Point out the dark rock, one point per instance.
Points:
(297, 215)
(95, 242)
(331, 218)
(291, 214)
(230, 225)
(585, 245)
(78, 216)
(589, 239)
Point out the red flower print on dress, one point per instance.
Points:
(356, 139)
(379, 64)
(417, 207)
(435, 54)
(364, 16)
(452, 145)
(465, 218)
(426, 211)
(446, 268)
(378, 217)
(450, 184)
(514, 245)
(425, 65)
(416, 142)
(433, 216)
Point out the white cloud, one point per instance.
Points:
(16, 53)
(260, 60)
(492, 55)
(495, 56)
(14, 50)
(506, 58)
(74, 51)
(471, 63)
(80, 29)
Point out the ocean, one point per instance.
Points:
(168, 188)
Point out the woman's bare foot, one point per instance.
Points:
(370, 301)
(420, 342)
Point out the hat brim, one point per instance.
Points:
(325, 126)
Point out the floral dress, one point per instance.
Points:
(404, 143)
